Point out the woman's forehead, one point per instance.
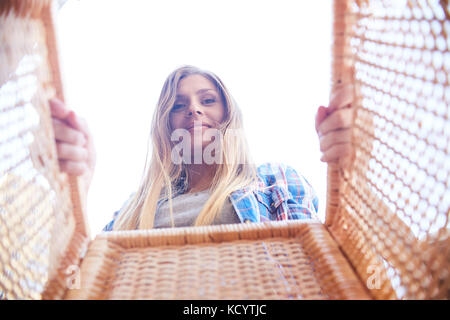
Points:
(195, 84)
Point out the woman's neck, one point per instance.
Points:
(200, 177)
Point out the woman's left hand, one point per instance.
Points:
(334, 127)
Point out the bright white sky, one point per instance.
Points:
(274, 56)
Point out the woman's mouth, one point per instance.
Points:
(197, 127)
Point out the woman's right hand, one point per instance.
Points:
(334, 127)
(74, 143)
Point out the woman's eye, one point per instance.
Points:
(177, 106)
(208, 101)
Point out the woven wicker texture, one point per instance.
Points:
(389, 211)
(37, 222)
(278, 260)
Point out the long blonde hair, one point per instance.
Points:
(236, 171)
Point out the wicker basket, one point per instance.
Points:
(386, 230)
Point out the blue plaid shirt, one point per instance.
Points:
(287, 195)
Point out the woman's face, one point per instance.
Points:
(198, 106)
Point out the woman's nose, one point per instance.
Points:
(194, 109)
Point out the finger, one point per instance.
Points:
(70, 152)
(77, 123)
(341, 98)
(335, 137)
(61, 112)
(58, 109)
(72, 167)
(336, 152)
(66, 134)
(320, 116)
(340, 119)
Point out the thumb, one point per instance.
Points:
(58, 109)
(78, 123)
(320, 116)
(72, 120)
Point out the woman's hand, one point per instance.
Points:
(334, 125)
(74, 143)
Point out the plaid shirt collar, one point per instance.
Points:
(260, 204)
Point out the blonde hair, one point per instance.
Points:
(235, 172)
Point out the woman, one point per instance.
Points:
(193, 179)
